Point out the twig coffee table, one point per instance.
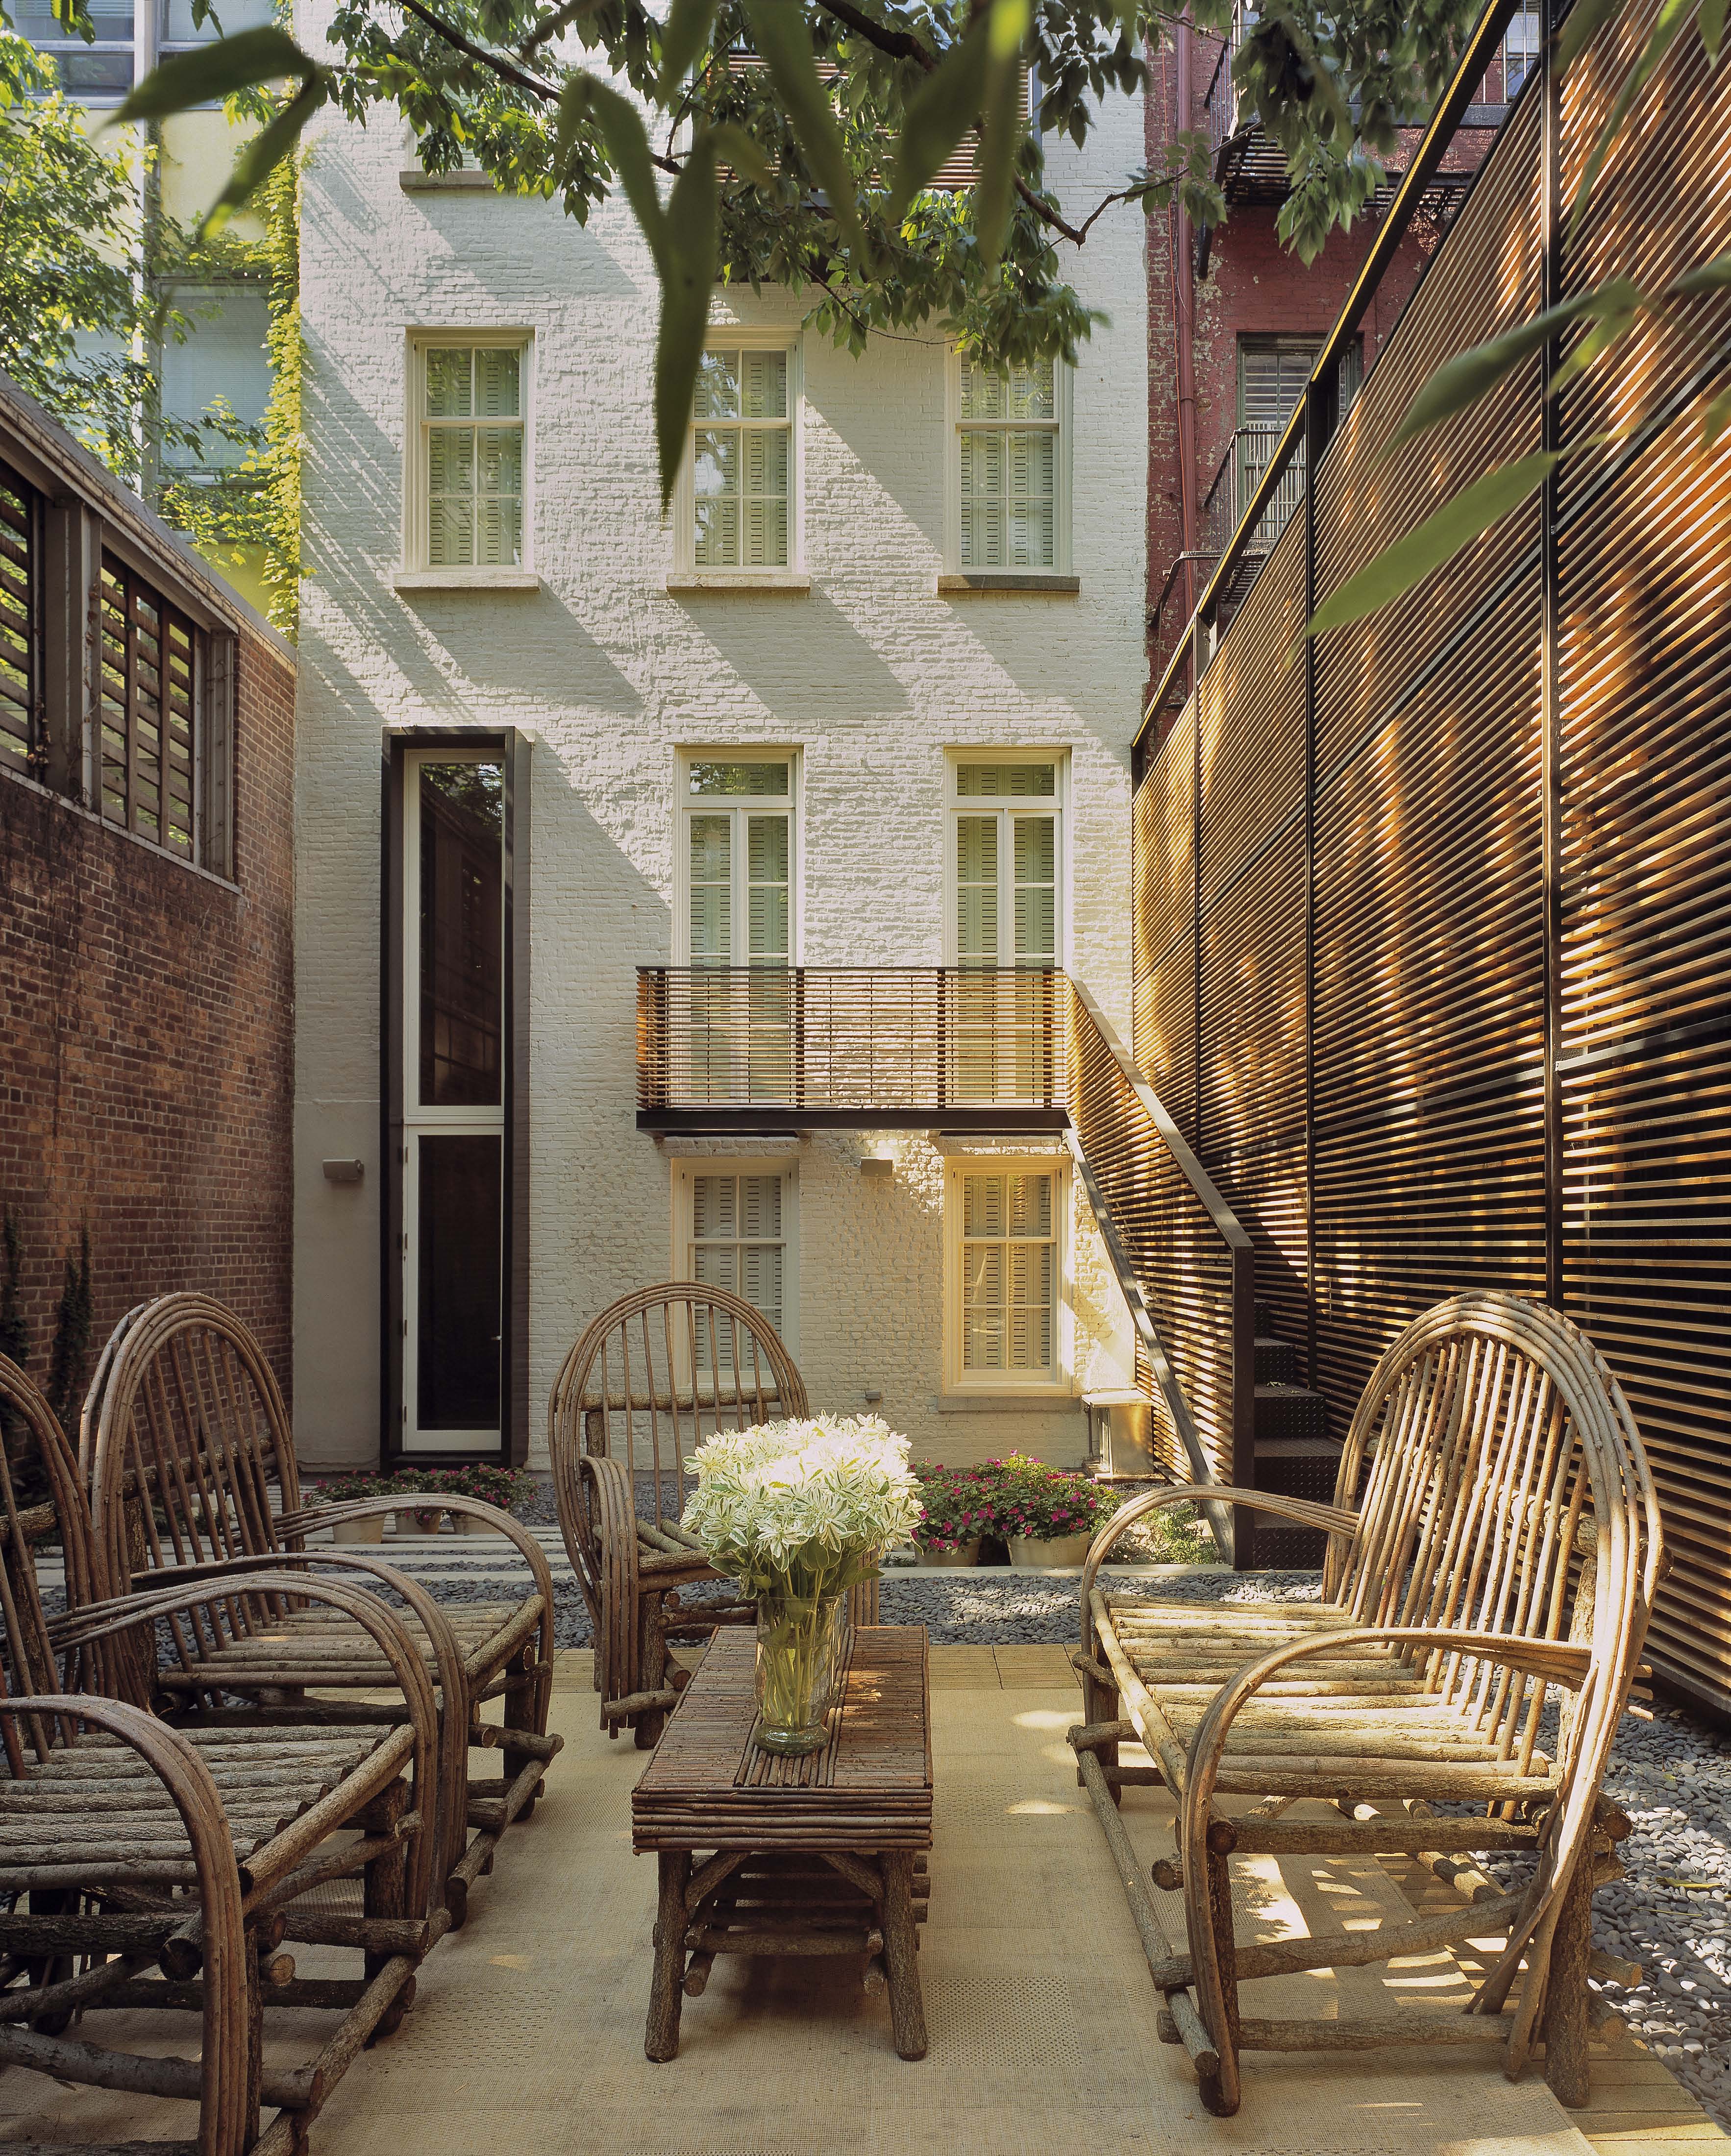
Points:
(824, 1854)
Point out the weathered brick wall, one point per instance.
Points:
(146, 1013)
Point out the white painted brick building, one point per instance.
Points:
(875, 686)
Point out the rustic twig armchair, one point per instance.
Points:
(1500, 1561)
(657, 1372)
(146, 1867)
(191, 1462)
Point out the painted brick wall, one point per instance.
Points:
(871, 676)
(147, 1014)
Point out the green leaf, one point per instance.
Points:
(689, 24)
(1669, 20)
(1397, 568)
(1001, 135)
(1711, 277)
(735, 148)
(687, 282)
(1586, 19)
(210, 73)
(1470, 375)
(1717, 418)
(265, 153)
(781, 41)
(938, 114)
(622, 130)
(1711, 21)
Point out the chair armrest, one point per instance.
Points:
(192, 1788)
(308, 1518)
(1330, 1519)
(612, 1580)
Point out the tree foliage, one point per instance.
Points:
(87, 284)
(804, 135)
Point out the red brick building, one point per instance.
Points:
(1235, 320)
(146, 970)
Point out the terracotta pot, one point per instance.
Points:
(1029, 1553)
(427, 1518)
(371, 1530)
(968, 1553)
(466, 1523)
(405, 1520)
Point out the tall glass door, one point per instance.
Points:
(1006, 869)
(454, 1113)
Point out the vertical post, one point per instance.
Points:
(71, 651)
(1312, 447)
(1197, 663)
(1550, 425)
(1244, 1401)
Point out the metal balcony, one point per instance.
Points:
(773, 1048)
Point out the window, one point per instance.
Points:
(1009, 476)
(224, 357)
(1005, 866)
(739, 860)
(1004, 1306)
(741, 505)
(1272, 372)
(21, 641)
(149, 699)
(103, 72)
(734, 1227)
(467, 482)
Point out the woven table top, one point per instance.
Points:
(709, 1786)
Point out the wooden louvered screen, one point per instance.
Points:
(20, 624)
(149, 706)
(1368, 943)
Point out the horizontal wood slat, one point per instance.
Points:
(1371, 1010)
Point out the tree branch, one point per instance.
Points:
(550, 27)
(1043, 210)
(505, 70)
(899, 44)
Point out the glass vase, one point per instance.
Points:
(801, 1642)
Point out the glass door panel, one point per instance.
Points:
(457, 1381)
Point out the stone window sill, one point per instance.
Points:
(971, 582)
(1052, 1402)
(466, 580)
(414, 182)
(684, 583)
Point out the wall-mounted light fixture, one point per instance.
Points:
(877, 1165)
(344, 1170)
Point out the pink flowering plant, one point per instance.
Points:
(956, 1507)
(1045, 1503)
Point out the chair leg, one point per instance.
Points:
(1565, 2020)
(1219, 2089)
(652, 1663)
(517, 1711)
(384, 1886)
(1101, 1704)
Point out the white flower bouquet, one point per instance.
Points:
(802, 1508)
(798, 1513)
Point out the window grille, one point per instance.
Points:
(149, 713)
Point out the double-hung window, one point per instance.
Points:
(734, 1227)
(739, 862)
(467, 481)
(1009, 464)
(1006, 860)
(740, 512)
(1006, 1245)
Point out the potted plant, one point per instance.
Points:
(503, 1487)
(796, 1513)
(406, 1482)
(956, 1513)
(1047, 1515)
(342, 1490)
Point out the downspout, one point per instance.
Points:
(1183, 326)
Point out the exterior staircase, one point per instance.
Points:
(1295, 1454)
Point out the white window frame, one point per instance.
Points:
(1064, 409)
(784, 1165)
(721, 338)
(414, 536)
(688, 805)
(978, 805)
(1060, 1383)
